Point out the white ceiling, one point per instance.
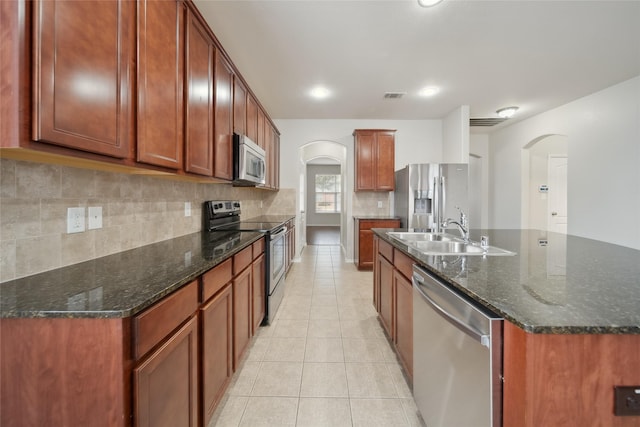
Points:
(485, 54)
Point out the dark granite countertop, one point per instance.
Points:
(573, 285)
(122, 284)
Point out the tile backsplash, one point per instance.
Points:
(136, 211)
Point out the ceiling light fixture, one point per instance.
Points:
(428, 3)
(320, 92)
(506, 112)
(429, 91)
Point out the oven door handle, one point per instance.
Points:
(281, 232)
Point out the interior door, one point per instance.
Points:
(557, 215)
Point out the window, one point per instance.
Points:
(327, 193)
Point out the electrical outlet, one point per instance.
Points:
(187, 208)
(627, 400)
(379, 203)
(75, 220)
(95, 217)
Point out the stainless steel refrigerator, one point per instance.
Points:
(427, 194)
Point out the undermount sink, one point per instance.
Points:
(445, 244)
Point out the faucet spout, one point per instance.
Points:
(463, 225)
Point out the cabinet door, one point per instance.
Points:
(261, 141)
(160, 82)
(386, 294)
(199, 107)
(83, 73)
(385, 161)
(267, 141)
(365, 161)
(166, 383)
(239, 107)
(217, 349)
(376, 274)
(223, 135)
(365, 250)
(258, 297)
(404, 320)
(252, 118)
(276, 166)
(242, 326)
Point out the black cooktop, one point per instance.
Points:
(266, 227)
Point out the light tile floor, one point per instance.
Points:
(324, 360)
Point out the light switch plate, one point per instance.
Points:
(187, 208)
(75, 220)
(95, 217)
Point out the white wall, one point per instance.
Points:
(479, 147)
(603, 134)
(455, 136)
(417, 141)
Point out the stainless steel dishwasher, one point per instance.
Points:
(457, 357)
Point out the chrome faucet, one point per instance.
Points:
(463, 225)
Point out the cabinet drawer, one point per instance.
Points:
(403, 264)
(368, 224)
(258, 248)
(154, 324)
(242, 259)
(214, 279)
(385, 249)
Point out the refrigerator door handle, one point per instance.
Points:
(436, 205)
(443, 190)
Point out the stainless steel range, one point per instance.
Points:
(224, 216)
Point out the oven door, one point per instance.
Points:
(277, 257)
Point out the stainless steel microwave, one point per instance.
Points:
(249, 166)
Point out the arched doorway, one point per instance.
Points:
(544, 183)
(318, 153)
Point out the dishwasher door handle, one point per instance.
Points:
(483, 339)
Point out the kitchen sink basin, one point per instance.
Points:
(420, 237)
(445, 244)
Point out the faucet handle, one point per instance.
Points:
(463, 217)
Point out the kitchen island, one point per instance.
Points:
(572, 321)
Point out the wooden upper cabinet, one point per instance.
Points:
(252, 118)
(385, 160)
(199, 123)
(276, 160)
(160, 82)
(83, 75)
(375, 159)
(223, 106)
(262, 136)
(239, 107)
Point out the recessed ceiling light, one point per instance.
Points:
(506, 112)
(429, 91)
(320, 92)
(428, 3)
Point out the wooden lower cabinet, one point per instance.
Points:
(387, 300)
(216, 319)
(404, 320)
(65, 372)
(393, 299)
(365, 254)
(242, 326)
(166, 382)
(258, 291)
